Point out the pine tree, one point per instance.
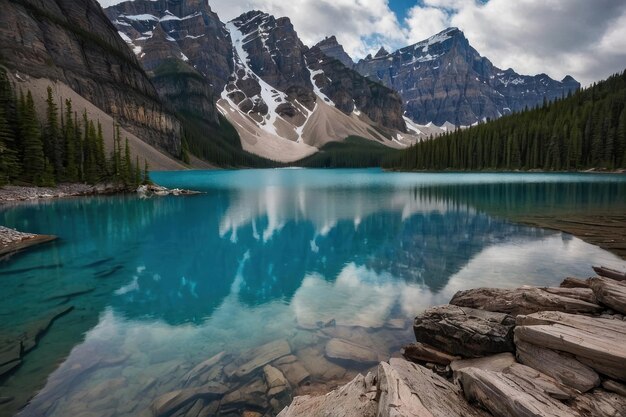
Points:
(137, 181)
(128, 166)
(620, 143)
(71, 147)
(146, 175)
(34, 160)
(54, 148)
(10, 160)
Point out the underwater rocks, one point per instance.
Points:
(13, 348)
(551, 363)
(340, 349)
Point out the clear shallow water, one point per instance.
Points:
(160, 285)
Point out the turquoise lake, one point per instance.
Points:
(159, 285)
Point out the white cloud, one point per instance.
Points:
(586, 39)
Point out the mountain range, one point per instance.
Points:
(176, 77)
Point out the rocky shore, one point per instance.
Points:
(505, 353)
(14, 193)
(12, 241)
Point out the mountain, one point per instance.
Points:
(444, 79)
(584, 131)
(285, 100)
(71, 45)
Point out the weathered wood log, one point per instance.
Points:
(525, 300)
(408, 389)
(609, 292)
(611, 273)
(504, 396)
(420, 352)
(465, 332)
(598, 343)
(574, 283)
(355, 399)
(560, 366)
(600, 403)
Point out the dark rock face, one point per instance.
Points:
(332, 48)
(275, 51)
(443, 79)
(183, 46)
(74, 42)
(276, 55)
(464, 331)
(351, 91)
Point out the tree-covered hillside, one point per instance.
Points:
(67, 147)
(585, 130)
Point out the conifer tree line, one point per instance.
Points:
(67, 147)
(585, 130)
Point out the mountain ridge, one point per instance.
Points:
(444, 79)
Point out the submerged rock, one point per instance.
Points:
(257, 358)
(168, 403)
(340, 349)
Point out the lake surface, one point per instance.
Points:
(160, 285)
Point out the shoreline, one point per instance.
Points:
(606, 230)
(12, 241)
(546, 351)
(619, 171)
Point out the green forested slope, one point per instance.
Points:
(585, 130)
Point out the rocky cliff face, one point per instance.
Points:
(351, 92)
(332, 48)
(183, 46)
(271, 57)
(443, 79)
(73, 41)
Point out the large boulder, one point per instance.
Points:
(527, 300)
(609, 292)
(561, 366)
(408, 389)
(597, 342)
(355, 399)
(508, 395)
(466, 332)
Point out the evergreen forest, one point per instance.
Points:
(586, 129)
(67, 147)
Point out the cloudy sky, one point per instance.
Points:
(584, 38)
